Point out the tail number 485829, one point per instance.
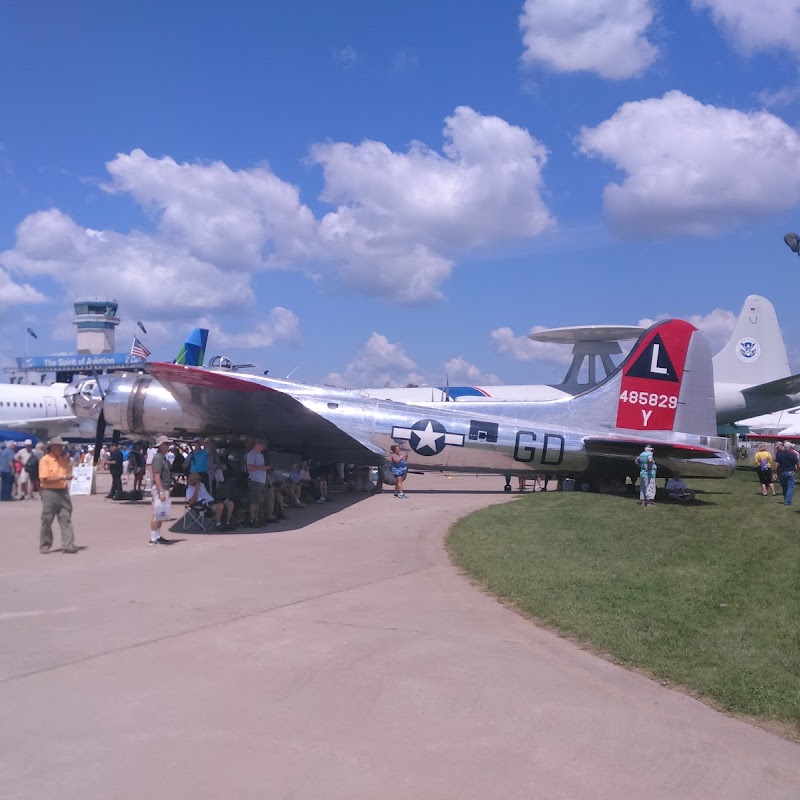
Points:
(651, 399)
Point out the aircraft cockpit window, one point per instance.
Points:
(87, 390)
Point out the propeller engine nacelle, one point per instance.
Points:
(132, 403)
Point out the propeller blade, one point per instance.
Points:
(115, 437)
(99, 435)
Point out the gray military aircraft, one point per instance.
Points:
(662, 394)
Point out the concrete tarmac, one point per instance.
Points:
(336, 655)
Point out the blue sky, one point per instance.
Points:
(396, 192)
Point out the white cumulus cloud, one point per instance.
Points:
(607, 37)
(241, 219)
(147, 274)
(521, 348)
(402, 217)
(281, 325)
(459, 370)
(400, 220)
(693, 168)
(762, 25)
(379, 363)
(13, 293)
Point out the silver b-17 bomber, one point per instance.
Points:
(662, 394)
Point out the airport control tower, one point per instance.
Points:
(96, 320)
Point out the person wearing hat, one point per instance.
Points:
(55, 473)
(786, 460)
(162, 480)
(24, 483)
(7, 470)
(647, 476)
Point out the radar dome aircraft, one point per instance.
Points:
(662, 395)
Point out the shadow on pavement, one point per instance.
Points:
(296, 518)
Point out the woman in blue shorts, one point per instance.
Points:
(399, 470)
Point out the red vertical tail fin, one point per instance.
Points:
(668, 382)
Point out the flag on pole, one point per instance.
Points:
(30, 331)
(138, 350)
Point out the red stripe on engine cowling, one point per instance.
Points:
(197, 376)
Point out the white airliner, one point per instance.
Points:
(751, 372)
(40, 410)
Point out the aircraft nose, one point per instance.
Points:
(85, 398)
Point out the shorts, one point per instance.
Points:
(23, 478)
(256, 491)
(765, 476)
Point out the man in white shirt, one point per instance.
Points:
(676, 489)
(258, 484)
(24, 483)
(196, 493)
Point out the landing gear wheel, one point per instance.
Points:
(507, 487)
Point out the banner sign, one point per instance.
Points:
(88, 362)
(82, 479)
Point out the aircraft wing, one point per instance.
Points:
(226, 401)
(40, 422)
(789, 385)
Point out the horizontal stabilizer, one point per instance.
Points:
(789, 385)
(615, 448)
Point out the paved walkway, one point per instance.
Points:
(338, 657)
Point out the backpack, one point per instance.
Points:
(31, 465)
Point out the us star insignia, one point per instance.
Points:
(428, 437)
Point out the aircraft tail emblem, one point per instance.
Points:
(755, 353)
(653, 377)
(194, 349)
(666, 383)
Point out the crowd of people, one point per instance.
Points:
(19, 470)
(236, 482)
(239, 487)
(780, 466)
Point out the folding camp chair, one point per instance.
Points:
(200, 514)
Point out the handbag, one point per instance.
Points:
(162, 509)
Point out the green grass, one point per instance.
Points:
(703, 595)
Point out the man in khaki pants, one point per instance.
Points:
(55, 473)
